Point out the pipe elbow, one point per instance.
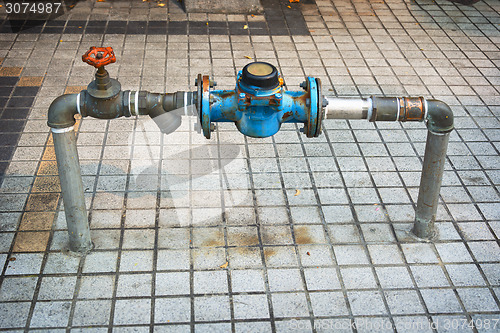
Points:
(62, 111)
(439, 117)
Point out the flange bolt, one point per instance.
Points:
(303, 85)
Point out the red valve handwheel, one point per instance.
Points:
(99, 56)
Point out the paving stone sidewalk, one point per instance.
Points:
(235, 234)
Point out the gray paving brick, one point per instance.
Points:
(100, 262)
(253, 327)
(485, 251)
(97, 286)
(358, 278)
(134, 261)
(14, 314)
(477, 299)
(385, 254)
(211, 308)
(359, 299)
(350, 255)
(92, 313)
(210, 282)
(289, 305)
(172, 283)
(247, 280)
(172, 310)
(250, 306)
(437, 50)
(453, 252)
(25, 263)
(429, 276)
(404, 302)
(51, 314)
(132, 311)
(328, 304)
(394, 277)
(18, 289)
(446, 323)
(284, 280)
(53, 288)
(173, 259)
(419, 253)
(440, 300)
(134, 285)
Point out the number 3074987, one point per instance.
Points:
(32, 8)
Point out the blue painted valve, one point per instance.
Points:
(259, 104)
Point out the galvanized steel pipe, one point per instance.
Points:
(348, 108)
(258, 105)
(70, 178)
(430, 184)
(439, 121)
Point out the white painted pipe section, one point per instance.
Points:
(348, 108)
(78, 104)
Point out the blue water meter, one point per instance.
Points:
(260, 104)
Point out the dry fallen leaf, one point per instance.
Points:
(293, 0)
(248, 57)
(245, 26)
(308, 253)
(289, 6)
(225, 265)
(161, 4)
(297, 192)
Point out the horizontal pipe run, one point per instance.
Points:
(437, 114)
(377, 108)
(348, 108)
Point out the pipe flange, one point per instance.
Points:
(205, 106)
(312, 127)
(321, 108)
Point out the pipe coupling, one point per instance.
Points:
(398, 109)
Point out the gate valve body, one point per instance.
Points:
(260, 104)
(103, 86)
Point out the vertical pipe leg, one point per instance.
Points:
(72, 189)
(430, 184)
